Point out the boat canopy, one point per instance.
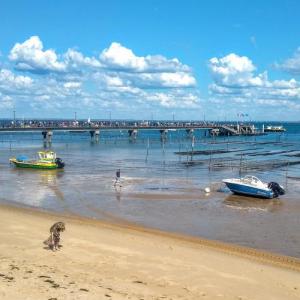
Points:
(21, 158)
(47, 155)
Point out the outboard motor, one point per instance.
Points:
(60, 164)
(276, 188)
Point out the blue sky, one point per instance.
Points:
(138, 59)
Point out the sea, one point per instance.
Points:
(163, 182)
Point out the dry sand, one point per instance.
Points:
(104, 261)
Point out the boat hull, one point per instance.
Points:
(249, 191)
(35, 165)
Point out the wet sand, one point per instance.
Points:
(99, 260)
(158, 189)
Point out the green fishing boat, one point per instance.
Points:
(46, 160)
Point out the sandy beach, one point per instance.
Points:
(105, 261)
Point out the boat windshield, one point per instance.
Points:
(250, 178)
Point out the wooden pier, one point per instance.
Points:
(47, 128)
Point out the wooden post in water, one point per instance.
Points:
(240, 170)
(179, 150)
(163, 149)
(187, 155)
(193, 144)
(286, 175)
(147, 150)
(209, 160)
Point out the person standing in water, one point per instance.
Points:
(118, 178)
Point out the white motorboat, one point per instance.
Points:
(252, 186)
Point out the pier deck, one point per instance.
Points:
(46, 126)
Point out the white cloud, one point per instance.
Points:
(234, 70)
(292, 64)
(114, 81)
(72, 85)
(109, 79)
(177, 79)
(174, 98)
(75, 60)
(30, 56)
(117, 56)
(121, 58)
(160, 80)
(8, 80)
(235, 81)
(6, 102)
(117, 78)
(116, 66)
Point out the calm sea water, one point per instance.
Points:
(159, 188)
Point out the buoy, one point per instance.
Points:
(207, 190)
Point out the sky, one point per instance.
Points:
(187, 60)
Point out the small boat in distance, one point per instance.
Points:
(46, 160)
(252, 186)
(274, 129)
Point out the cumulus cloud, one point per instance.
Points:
(30, 56)
(121, 58)
(117, 56)
(75, 60)
(234, 70)
(235, 80)
(6, 102)
(8, 80)
(292, 64)
(175, 99)
(116, 66)
(146, 80)
(159, 80)
(115, 78)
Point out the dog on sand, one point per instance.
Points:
(53, 240)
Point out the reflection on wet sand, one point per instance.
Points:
(50, 176)
(118, 196)
(45, 175)
(49, 179)
(42, 179)
(251, 203)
